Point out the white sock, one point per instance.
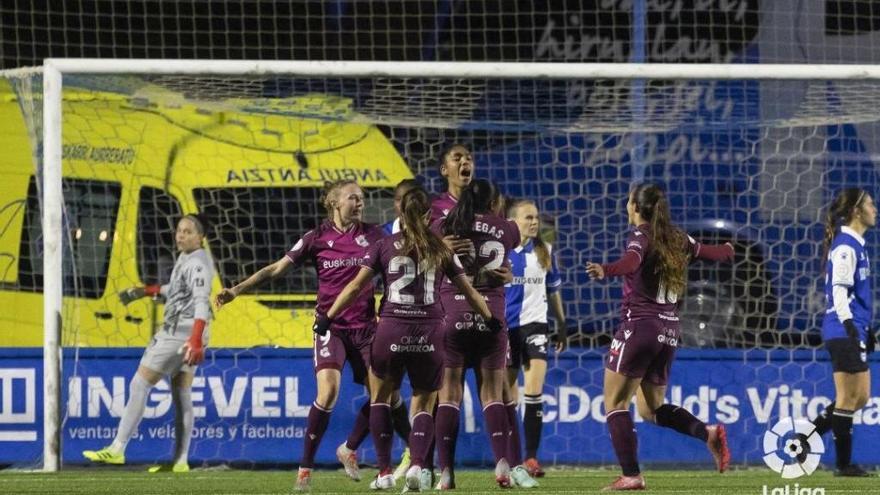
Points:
(138, 390)
(183, 423)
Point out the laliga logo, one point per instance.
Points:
(801, 447)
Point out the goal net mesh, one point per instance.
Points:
(749, 162)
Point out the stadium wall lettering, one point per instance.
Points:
(251, 406)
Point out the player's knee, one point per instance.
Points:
(327, 394)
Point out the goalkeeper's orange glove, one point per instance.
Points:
(195, 352)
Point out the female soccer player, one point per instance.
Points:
(848, 315)
(175, 350)
(654, 267)
(400, 189)
(475, 217)
(536, 281)
(336, 248)
(457, 167)
(409, 337)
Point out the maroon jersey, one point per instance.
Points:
(410, 291)
(441, 205)
(338, 257)
(644, 296)
(494, 238)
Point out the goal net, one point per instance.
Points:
(748, 160)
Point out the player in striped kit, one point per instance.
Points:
(654, 267)
(846, 327)
(175, 350)
(336, 248)
(409, 337)
(536, 282)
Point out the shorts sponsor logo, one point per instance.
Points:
(626, 334)
(537, 340)
(413, 344)
(668, 337)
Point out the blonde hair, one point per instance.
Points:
(331, 193)
(541, 249)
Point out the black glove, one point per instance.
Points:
(322, 324)
(559, 337)
(494, 325)
(851, 329)
(131, 294)
(872, 341)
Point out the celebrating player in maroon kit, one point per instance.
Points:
(457, 167)
(654, 267)
(409, 337)
(336, 248)
(475, 217)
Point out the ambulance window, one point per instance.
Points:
(90, 209)
(158, 213)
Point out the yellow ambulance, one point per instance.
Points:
(133, 163)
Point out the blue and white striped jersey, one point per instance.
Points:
(527, 295)
(392, 227)
(847, 271)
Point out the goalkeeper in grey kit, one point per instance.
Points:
(175, 350)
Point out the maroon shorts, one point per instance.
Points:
(338, 346)
(644, 349)
(405, 346)
(467, 347)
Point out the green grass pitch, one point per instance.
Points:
(95, 481)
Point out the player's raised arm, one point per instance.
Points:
(627, 264)
(711, 252)
(264, 274)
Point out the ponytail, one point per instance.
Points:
(667, 240)
(476, 197)
(417, 237)
(840, 212)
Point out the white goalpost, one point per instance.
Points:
(601, 141)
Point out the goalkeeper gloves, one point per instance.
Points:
(851, 329)
(195, 352)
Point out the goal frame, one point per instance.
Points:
(54, 69)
